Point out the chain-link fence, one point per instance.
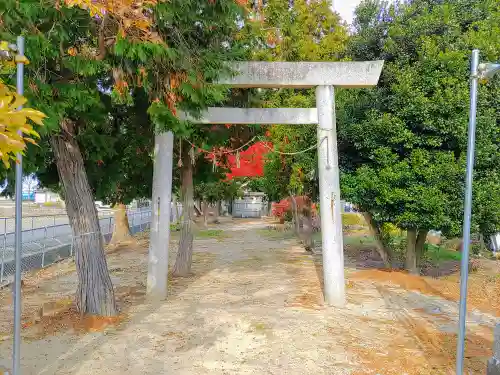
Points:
(8, 224)
(44, 245)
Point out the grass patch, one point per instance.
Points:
(435, 254)
(211, 233)
(350, 240)
(353, 219)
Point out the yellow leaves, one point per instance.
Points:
(15, 129)
(9, 58)
(94, 8)
(21, 59)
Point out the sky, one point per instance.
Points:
(345, 8)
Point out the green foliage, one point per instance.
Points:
(175, 227)
(352, 219)
(288, 216)
(222, 190)
(436, 254)
(307, 31)
(119, 99)
(119, 154)
(404, 142)
(211, 233)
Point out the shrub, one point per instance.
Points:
(288, 216)
(475, 248)
(474, 265)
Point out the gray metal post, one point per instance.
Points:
(464, 268)
(160, 228)
(2, 266)
(494, 362)
(16, 357)
(44, 247)
(329, 191)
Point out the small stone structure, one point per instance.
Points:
(494, 362)
(251, 205)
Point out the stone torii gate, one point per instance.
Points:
(322, 75)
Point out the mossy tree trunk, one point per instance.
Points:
(411, 251)
(420, 245)
(307, 230)
(382, 248)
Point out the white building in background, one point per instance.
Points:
(46, 196)
(251, 205)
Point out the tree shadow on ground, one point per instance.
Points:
(433, 335)
(135, 311)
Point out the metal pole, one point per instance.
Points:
(329, 191)
(2, 267)
(464, 268)
(43, 249)
(16, 366)
(160, 228)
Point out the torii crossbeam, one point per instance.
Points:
(322, 75)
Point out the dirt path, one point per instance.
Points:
(253, 306)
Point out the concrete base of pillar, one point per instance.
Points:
(493, 367)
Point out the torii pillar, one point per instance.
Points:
(324, 76)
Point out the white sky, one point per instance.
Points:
(345, 8)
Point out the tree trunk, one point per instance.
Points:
(204, 207)
(411, 253)
(384, 252)
(420, 245)
(308, 226)
(95, 293)
(175, 212)
(182, 266)
(296, 225)
(217, 212)
(197, 210)
(121, 231)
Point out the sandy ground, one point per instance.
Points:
(253, 306)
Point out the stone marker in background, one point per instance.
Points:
(494, 362)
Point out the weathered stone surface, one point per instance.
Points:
(496, 342)
(290, 116)
(305, 74)
(493, 367)
(494, 362)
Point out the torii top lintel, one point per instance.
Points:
(266, 74)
